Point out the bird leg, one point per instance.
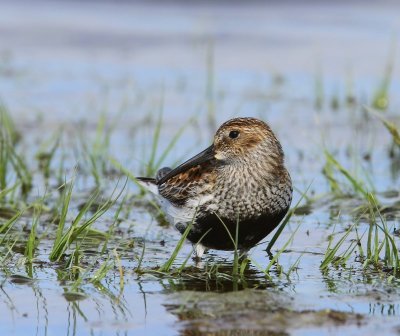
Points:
(199, 250)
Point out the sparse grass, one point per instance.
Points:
(167, 266)
(156, 159)
(12, 164)
(390, 126)
(60, 228)
(7, 125)
(319, 90)
(381, 99)
(96, 152)
(33, 241)
(66, 199)
(129, 174)
(46, 153)
(274, 259)
(382, 252)
(377, 243)
(79, 225)
(378, 250)
(337, 187)
(331, 256)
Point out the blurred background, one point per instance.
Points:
(64, 60)
(94, 91)
(281, 61)
(290, 63)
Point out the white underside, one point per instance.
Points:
(180, 215)
(199, 250)
(175, 215)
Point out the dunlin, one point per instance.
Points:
(240, 179)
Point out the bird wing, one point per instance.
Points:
(189, 184)
(188, 181)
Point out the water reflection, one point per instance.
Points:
(217, 278)
(251, 312)
(72, 86)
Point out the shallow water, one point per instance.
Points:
(65, 65)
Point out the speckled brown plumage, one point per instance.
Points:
(241, 178)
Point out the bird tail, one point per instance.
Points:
(148, 183)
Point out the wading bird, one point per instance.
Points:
(240, 179)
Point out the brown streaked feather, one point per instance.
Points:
(179, 188)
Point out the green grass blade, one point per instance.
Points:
(285, 221)
(167, 266)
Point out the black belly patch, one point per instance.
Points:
(217, 237)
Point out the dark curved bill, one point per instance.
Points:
(200, 158)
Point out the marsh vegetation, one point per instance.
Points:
(83, 247)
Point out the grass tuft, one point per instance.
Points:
(332, 166)
(79, 226)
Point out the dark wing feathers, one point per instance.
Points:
(185, 185)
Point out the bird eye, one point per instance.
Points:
(233, 134)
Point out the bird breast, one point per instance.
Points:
(248, 193)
